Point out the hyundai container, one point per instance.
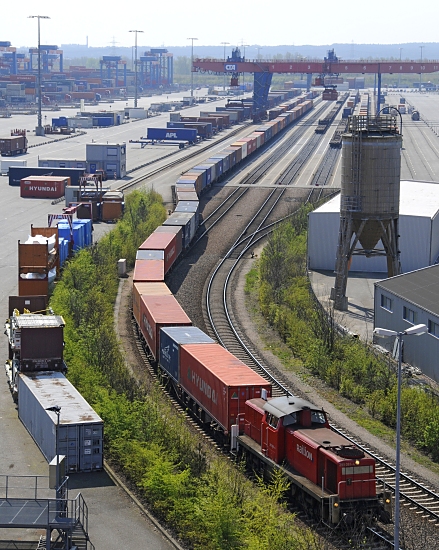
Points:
(219, 382)
(157, 312)
(80, 431)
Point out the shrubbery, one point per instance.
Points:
(205, 499)
(346, 364)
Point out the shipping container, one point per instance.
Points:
(17, 173)
(6, 164)
(149, 289)
(175, 134)
(186, 196)
(13, 145)
(36, 340)
(166, 242)
(188, 223)
(157, 312)
(43, 187)
(219, 382)
(188, 206)
(149, 271)
(218, 164)
(31, 303)
(80, 431)
(171, 338)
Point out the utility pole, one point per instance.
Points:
(39, 130)
(192, 63)
(224, 81)
(135, 68)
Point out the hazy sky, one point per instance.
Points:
(170, 22)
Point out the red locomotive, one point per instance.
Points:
(331, 477)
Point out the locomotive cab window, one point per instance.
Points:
(272, 420)
(318, 417)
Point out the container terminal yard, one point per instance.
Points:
(20, 454)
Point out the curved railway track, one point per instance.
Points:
(415, 495)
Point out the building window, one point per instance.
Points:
(433, 328)
(111, 152)
(386, 302)
(408, 315)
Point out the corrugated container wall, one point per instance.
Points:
(80, 433)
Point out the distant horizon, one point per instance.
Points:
(296, 25)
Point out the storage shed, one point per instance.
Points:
(418, 230)
(406, 300)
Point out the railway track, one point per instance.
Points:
(416, 496)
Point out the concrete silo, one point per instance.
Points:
(369, 202)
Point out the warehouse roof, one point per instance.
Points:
(417, 198)
(420, 287)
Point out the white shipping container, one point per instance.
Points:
(138, 112)
(6, 164)
(80, 431)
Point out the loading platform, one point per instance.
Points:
(25, 503)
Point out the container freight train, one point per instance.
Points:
(35, 371)
(330, 477)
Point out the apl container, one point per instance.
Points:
(80, 431)
(43, 187)
(171, 338)
(157, 312)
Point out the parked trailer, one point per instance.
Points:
(6, 164)
(80, 430)
(174, 134)
(13, 145)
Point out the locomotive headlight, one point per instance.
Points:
(357, 462)
(335, 504)
(387, 500)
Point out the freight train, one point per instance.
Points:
(330, 477)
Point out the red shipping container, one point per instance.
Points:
(149, 271)
(148, 289)
(219, 382)
(193, 176)
(167, 242)
(185, 185)
(172, 229)
(43, 187)
(157, 312)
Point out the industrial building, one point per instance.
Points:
(406, 300)
(418, 231)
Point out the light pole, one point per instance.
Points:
(243, 73)
(399, 77)
(224, 81)
(57, 410)
(420, 74)
(135, 68)
(416, 330)
(192, 62)
(39, 130)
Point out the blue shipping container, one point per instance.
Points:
(177, 134)
(171, 338)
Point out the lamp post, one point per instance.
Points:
(135, 68)
(420, 74)
(243, 73)
(192, 62)
(57, 410)
(224, 81)
(39, 130)
(416, 330)
(399, 77)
